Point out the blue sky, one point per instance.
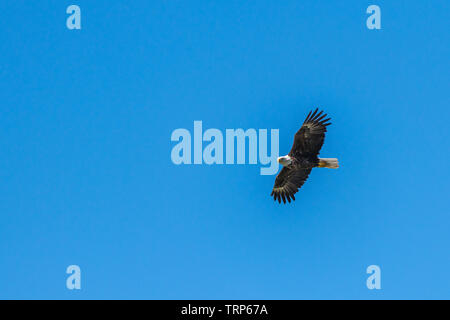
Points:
(87, 179)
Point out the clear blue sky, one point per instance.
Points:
(86, 176)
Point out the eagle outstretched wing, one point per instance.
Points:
(287, 183)
(309, 139)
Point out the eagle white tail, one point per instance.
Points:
(331, 163)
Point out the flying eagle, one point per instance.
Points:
(303, 157)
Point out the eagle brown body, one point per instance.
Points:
(303, 157)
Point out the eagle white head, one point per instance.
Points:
(284, 161)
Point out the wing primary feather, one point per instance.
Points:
(314, 113)
(317, 116)
(307, 117)
(325, 120)
(319, 119)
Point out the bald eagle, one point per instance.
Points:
(303, 157)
